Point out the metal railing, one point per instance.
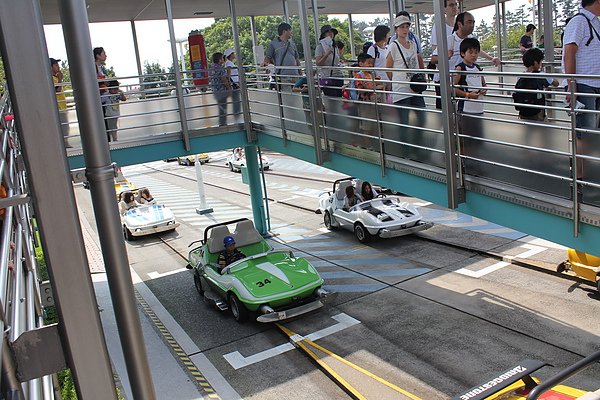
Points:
(19, 275)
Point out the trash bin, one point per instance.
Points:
(244, 171)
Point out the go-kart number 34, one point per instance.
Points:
(263, 283)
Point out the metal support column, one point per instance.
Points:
(399, 6)
(100, 174)
(136, 49)
(25, 57)
(254, 39)
(242, 74)
(254, 184)
(313, 92)
(286, 11)
(178, 84)
(392, 13)
(498, 31)
(549, 44)
(504, 34)
(540, 20)
(418, 25)
(351, 36)
(315, 13)
(548, 34)
(447, 109)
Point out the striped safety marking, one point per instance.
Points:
(205, 387)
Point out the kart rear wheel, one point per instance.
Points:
(188, 162)
(327, 220)
(127, 234)
(361, 233)
(240, 313)
(562, 267)
(198, 283)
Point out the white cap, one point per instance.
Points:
(402, 19)
(228, 52)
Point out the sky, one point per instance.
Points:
(153, 37)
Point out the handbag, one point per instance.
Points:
(419, 79)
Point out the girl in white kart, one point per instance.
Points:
(127, 202)
(367, 192)
(351, 199)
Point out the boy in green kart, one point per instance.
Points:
(229, 254)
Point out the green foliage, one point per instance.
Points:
(155, 76)
(219, 36)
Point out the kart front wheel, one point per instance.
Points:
(127, 234)
(198, 283)
(328, 221)
(361, 233)
(240, 314)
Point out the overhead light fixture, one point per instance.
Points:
(203, 12)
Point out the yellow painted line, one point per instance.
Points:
(351, 389)
(356, 367)
(183, 358)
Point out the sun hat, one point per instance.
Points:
(327, 28)
(228, 52)
(403, 19)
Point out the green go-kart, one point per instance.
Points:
(272, 285)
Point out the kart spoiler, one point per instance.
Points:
(501, 381)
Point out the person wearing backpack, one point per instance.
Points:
(532, 59)
(581, 46)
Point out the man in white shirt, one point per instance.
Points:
(581, 46)
(450, 11)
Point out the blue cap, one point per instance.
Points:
(228, 240)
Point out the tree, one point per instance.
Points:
(219, 36)
(154, 76)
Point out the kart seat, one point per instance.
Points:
(245, 234)
(215, 241)
(340, 192)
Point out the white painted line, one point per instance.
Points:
(324, 230)
(237, 360)
(533, 250)
(155, 275)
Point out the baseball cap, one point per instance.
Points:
(403, 19)
(228, 240)
(54, 61)
(228, 52)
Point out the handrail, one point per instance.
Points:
(563, 375)
(19, 275)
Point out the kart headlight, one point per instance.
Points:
(138, 230)
(383, 217)
(171, 222)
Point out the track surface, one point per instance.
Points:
(430, 317)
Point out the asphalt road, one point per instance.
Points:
(429, 318)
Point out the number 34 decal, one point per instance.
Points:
(263, 283)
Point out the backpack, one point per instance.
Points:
(536, 99)
(352, 92)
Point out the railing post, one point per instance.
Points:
(178, 85)
(251, 136)
(448, 122)
(351, 36)
(575, 167)
(379, 131)
(313, 94)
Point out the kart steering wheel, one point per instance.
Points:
(380, 195)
